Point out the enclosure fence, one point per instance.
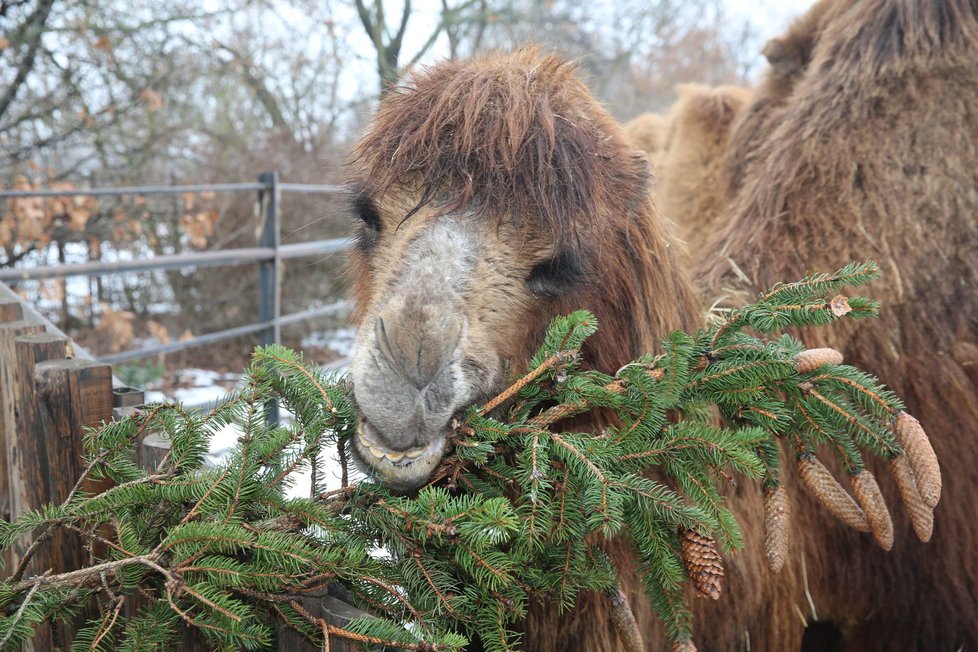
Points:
(268, 255)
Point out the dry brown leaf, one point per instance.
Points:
(115, 330)
(840, 305)
(152, 99)
(199, 227)
(159, 331)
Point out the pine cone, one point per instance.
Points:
(684, 646)
(812, 359)
(921, 516)
(624, 621)
(703, 563)
(871, 500)
(777, 518)
(923, 461)
(821, 484)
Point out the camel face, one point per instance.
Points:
(493, 195)
(448, 294)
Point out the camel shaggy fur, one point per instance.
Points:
(863, 143)
(689, 169)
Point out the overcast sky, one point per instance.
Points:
(770, 18)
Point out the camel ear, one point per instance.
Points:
(783, 56)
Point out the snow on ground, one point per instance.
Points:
(203, 388)
(339, 341)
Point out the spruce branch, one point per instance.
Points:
(519, 510)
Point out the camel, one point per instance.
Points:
(862, 142)
(689, 166)
(649, 132)
(493, 195)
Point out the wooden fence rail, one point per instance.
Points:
(50, 391)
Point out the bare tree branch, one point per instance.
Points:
(34, 30)
(257, 85)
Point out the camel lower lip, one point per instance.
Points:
(402, 470)
(374, 450)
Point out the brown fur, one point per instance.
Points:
(866, 146)
(689, 170)
(789, 56)
(520, 141)
(649, 132)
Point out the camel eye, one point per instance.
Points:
(557, 275)
(365, 209)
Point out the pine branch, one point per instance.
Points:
(507, 515)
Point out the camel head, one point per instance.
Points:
(484, 192)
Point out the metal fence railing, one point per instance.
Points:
(267, 255)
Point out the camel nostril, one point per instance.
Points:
(418, 341)
(380, 331)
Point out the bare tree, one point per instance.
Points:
(464, 24)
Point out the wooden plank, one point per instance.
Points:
(125, 400)
(27, 453)
(10, 401)
(26, 459)
(10, 305)
(72, 395)
(10, 310)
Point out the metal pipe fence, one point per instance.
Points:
(267, 255)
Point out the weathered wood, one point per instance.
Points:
(26, 462)
(72, 395)
(151, 450)
(127, 396)
(11, 405)
(10, 309)
(10, 305)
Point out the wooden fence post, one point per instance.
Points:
(11, 409)
(72, 395)
(26, 459)
(10, 311)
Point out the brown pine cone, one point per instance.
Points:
(923, 461)
(703, 563)
(777, 518)
(870, 498)
(684, 646)
(921, 516)
(821, 484)
(812, 359)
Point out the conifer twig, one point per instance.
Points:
(514, 389)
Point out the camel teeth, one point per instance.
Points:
(395, 457)
(379, 454)
(414, 453)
